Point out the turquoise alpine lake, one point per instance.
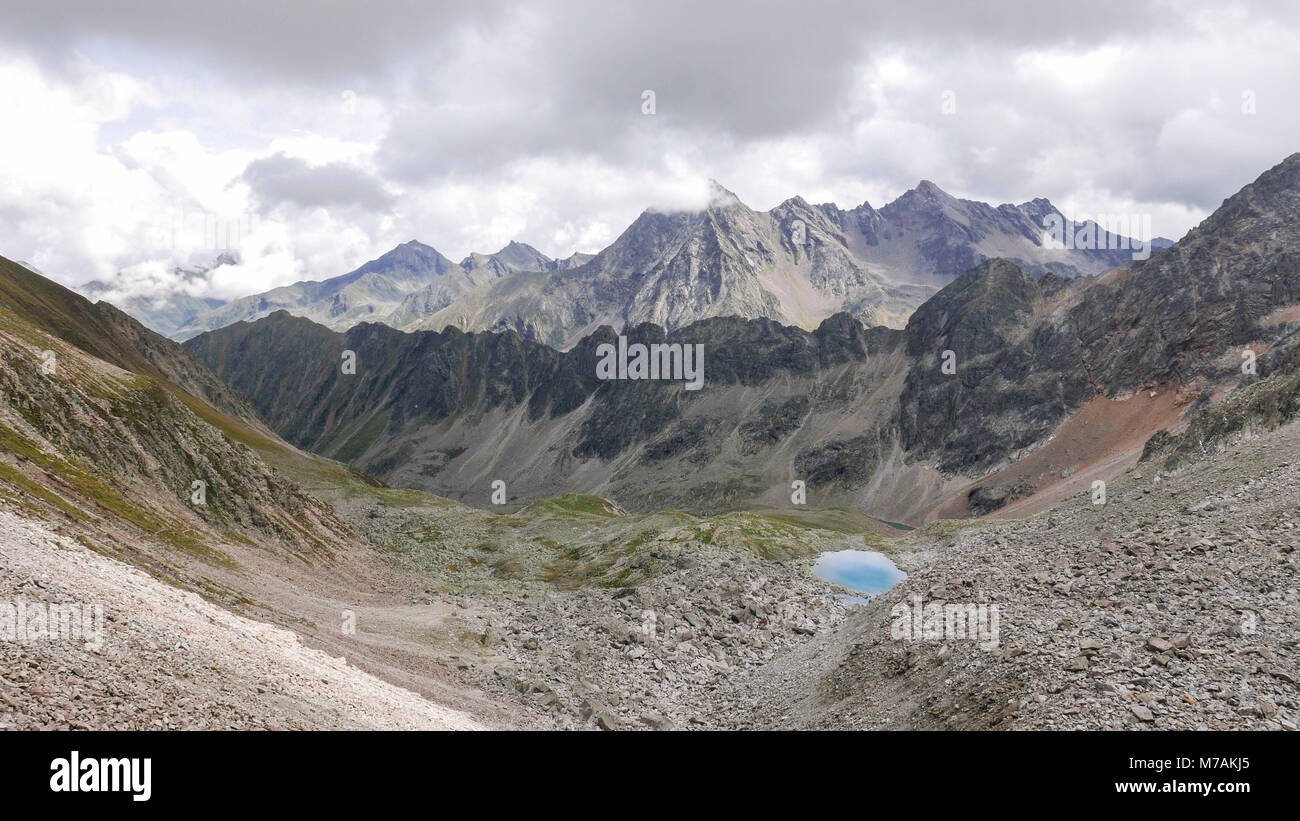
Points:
(862, 571)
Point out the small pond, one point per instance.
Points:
(863, 571)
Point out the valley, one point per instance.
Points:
(649, 566)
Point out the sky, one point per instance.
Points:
(313, 136)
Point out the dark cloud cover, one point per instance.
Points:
(280, 179)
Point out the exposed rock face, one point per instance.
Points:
(1017, 374)
(988, 498)
(1166, 318)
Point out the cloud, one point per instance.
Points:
(281, 179)
(305, 42)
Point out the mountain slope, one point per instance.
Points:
(169, 651)
(103, 331)
(1135, 615)
(99, 458)
(1180, 319)
(107, 426)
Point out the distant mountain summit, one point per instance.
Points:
(366, 294)
(408, 283)
(476, 271)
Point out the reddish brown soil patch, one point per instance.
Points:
(1101, 440)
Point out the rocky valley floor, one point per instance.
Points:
(1172, 606)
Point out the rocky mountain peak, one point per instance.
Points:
(926, 188)
(514, 256)
(409, 250)
(925, 199)
(928, 192)
(721, 197)
(1257, 210)
(1037, 209)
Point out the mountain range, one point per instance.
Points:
(1056, 380)
(797, 264)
